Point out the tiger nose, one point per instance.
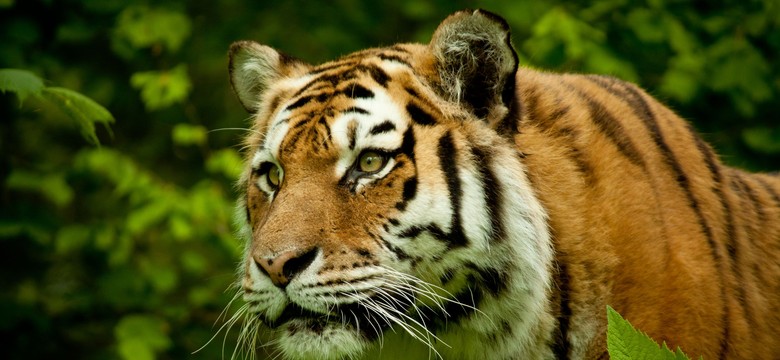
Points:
(285, 266)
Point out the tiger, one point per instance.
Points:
(423, 201)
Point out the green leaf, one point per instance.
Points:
(147, 216)
(763, 139)
(186, 134)
(141, 336)
(147, 27)
(71, 238)
(163, 277)
(21, 82)
(160, 89)
(52, 186)
(85, 111)
(227, 162)
(624, 342)
(647, 25)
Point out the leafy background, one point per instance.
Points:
(124, 250)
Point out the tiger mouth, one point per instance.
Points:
(355, 316)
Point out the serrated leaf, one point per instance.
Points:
(21, 82)
(85, 111)
(624, 342)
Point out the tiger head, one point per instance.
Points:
(383, 190)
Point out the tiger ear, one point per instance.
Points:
(254, 68)
(476, 62)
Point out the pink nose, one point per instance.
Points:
(285, 266)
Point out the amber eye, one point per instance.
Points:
(274, 175)
(371, 162)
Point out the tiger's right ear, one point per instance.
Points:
(255, 67)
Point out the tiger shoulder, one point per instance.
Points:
(438, 200)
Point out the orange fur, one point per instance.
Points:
(631, 239)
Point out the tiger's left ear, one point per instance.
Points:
(254, 68)
(476, 62)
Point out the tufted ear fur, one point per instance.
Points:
(254, 68)
(476, 62)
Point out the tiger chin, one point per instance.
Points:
(424, 201)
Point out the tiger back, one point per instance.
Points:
(420, 201)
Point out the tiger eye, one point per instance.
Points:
(274, 174)
(370, 162)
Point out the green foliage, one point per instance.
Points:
(139, 337)
(79, 108)
(624, 342)
(21, 82)
(161, 89)
(125, 250)
(144, 27)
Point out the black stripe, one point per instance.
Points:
(327, 137)
(383, 127)
(290, 141)
(357, 91)
(742, 297)
(415, 231)
(448, 159)
(492, 191)
(420, 116)
(326, 67)
(495, 281)
(379, 75)
(561, 345)
(407, 145)
(408, 194)
(463, 304)
(394, 58)
(400, 48)
(352, 134)
(753, 197)
(549, 124)
(246, 208)
(400, 254)
(730, 241)
(300, 102)
(300, 123)
(612, 128)
(357, 110)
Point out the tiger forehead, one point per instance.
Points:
(356, 87)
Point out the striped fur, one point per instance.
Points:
(511, 206)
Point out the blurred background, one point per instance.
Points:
(116, 232)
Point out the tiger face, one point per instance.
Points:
(378, 196)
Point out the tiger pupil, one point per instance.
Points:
(273, 176)
(370, 162)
